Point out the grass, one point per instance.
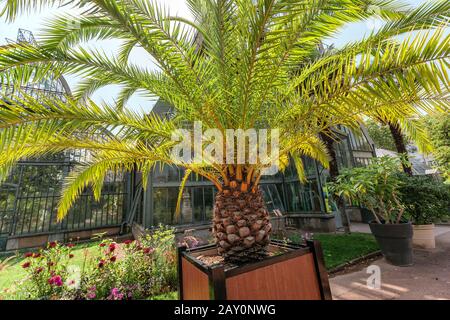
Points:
(14, 271)
(339, 249)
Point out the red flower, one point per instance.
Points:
(101, 263)
(113, 259)
(28, 255)
(36, 255)
(70, 245)
(102, 244)
(26, 265)
(52, 244)
(39, 270)
(51, 263)
(71, 256)
(128, 242)
(148, 250)
(112, 247)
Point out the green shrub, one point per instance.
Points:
(426, 200)
(376, 187)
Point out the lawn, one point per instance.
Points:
(342, 248)
(339, 249)
(14, 270)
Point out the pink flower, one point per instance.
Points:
(115, 294)
(58, 281)
(91, 295)
(26, 265)
(55, 280)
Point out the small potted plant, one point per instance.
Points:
(377, 187)
(426, 200)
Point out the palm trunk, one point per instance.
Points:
(241, 225)
(334, 173)
(400, 145)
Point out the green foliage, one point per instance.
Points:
(132, 270)
(381, 135)
(236, 64)
(439, 127)
(376, 186)
(425, 199)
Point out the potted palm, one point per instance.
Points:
(377, 187)
(426, 200)
(242, 65)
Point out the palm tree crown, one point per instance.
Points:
(236, 64)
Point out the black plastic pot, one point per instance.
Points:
(395, 241)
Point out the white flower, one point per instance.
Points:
(73, 277)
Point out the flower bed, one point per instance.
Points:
(132, 270)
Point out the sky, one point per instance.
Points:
(34, 22)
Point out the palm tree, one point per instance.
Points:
(237, 64)
(404, 122)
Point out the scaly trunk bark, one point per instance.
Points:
(334, 173)
(241, 225)
(400, 145)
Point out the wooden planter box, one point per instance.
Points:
(297, 274)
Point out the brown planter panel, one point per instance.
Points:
(298, 282)
(297, 274)
(195, 282)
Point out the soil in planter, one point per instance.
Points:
(216, 259)
(211, 260)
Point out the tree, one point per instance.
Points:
(381, 135)
(395, 132)
(439, 128)
(329, 140)
(238, 64)
(404, 125)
